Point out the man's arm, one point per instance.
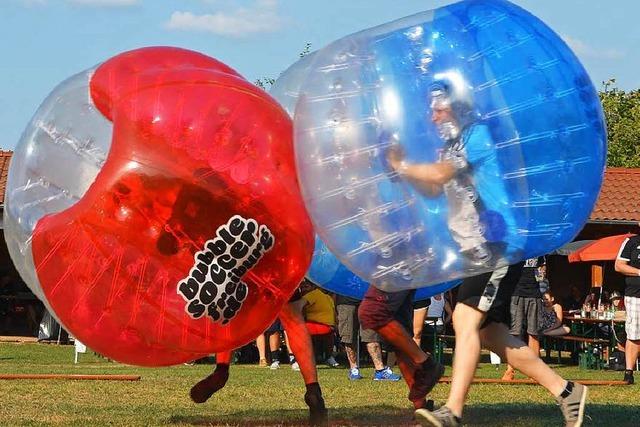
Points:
(427, 177)
(622, 266)
(428, 173)
(622, 260)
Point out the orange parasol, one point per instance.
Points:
(605, 249)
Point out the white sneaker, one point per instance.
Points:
(275, 365)
(332, 362)
(295, 366)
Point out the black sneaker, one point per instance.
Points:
(205, 388)
(425, 378)
(318, 414)
(442, 417)
(628, 376)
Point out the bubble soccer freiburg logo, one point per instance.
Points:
(214, 286)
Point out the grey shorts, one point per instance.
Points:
(525, 314)
(349, 326)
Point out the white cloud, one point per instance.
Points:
(586, 51)
(261, 17)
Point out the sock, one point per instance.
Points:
(568, 389)
(314, 388)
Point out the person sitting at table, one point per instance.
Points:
(574, 300)
(617, 301)
(551, 321)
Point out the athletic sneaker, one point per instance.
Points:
(442, 417)
(318, 414)
(386, 374)
(205, 388)
(275, 365)
(295, 366)
(628, 376)
(354, 374)
(572, 405)
(332, 362)
(425, 378)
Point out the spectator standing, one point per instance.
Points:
(526, 305)
(349, 329)
(628, 263)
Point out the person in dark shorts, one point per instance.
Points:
(350, 330)
(526, 306)
(300, 342)
(480, 318)
(390, 314)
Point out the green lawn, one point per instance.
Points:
(259, 396)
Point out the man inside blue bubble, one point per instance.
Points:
(478, 217)
(468, 175)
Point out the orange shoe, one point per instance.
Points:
(509, 375)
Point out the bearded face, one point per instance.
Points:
(448, 130)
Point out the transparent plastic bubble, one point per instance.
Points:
(135, 197)
(481, 87)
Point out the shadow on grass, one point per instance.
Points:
(546, 415)
(477, 415)
(347, 416)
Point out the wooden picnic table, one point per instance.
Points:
(592, 320)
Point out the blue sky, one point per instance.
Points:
(42, 42)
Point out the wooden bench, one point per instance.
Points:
(587, 358)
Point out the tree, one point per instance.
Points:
(622, 112)
(265, 83)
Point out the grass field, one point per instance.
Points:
(259, 396)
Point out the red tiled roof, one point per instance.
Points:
(619, 198)
(5, 156)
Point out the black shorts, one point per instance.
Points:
(378, 308)
(491, 293)
(423, 303)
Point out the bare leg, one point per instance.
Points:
(631, 353)
(496, 338)
(534, 344)
(274, 346)
(300, 340)
(394, 333)
(391, 359)
(204, 389)
(466, 323)
(351, 355)
(376, 355)
(302, 347)
(261, 343)
(418, 324)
